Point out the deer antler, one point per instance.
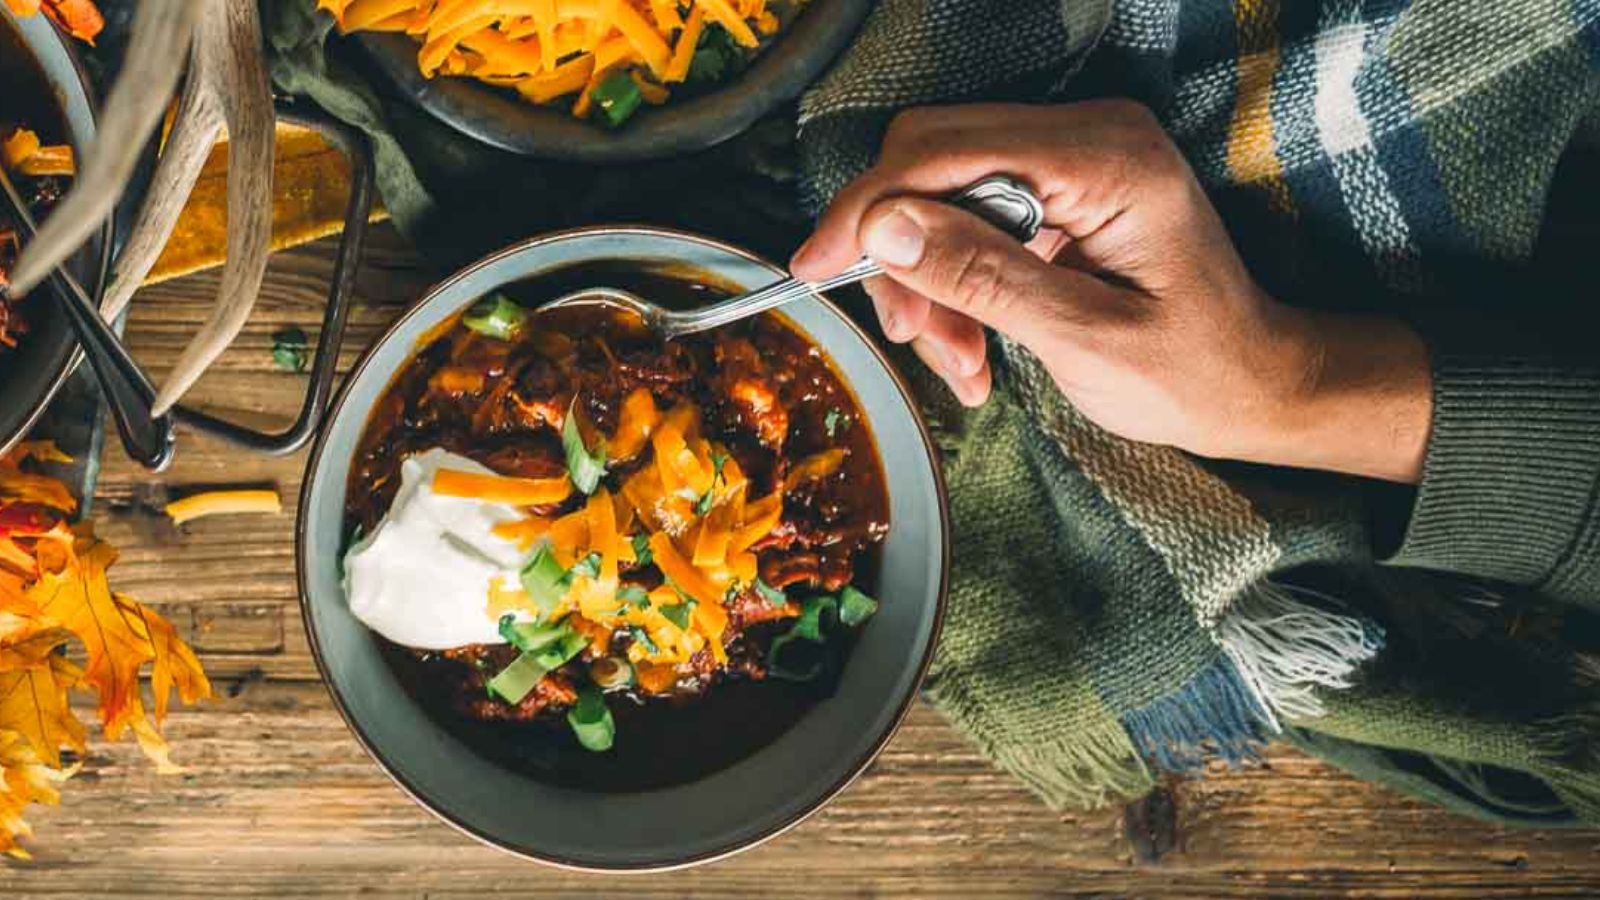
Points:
(160, 35)
(230, 67)
(227, 83)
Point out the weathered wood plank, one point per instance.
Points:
(279, 798)
(280, 801)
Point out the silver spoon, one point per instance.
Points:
(128, 392)
(1003, 202)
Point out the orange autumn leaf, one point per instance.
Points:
(76, 595)
(27, 639)
(19, 486)
(24, 779)
(54, 592)
(23, 7)
(174, 664)
(33, 703)
(79, 18)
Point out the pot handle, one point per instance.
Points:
(356, 147)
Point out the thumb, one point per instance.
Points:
(959, 261)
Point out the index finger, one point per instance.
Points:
(1081, 160)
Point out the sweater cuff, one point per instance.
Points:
(1509, 485)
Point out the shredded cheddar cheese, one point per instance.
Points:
(217, 503)
(547, 50)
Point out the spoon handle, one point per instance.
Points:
(129, 393)
(1003, 202)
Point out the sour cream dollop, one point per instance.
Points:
(421, 578)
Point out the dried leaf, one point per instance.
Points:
(175, 665)
(33, 703)
(41, 451)
(76, 596)
(18, 486)
(26, 639)
(24, 779)
(53, 589)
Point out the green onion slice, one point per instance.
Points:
(544, 580)
(517, 680)
(591, 720)
(545, 648)
(855, 607)
(531, 637)
(585, 468)
(811, 622)
(817, 617)
(618, 97)
(559, 653)
(496, 316)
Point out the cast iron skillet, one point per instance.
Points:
(498, 117)
(40, 75)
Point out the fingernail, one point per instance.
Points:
(891, 326)
(971, 393)
(895, 240)
(801, 257)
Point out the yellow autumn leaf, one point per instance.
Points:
(72, 591)
(26, 638)
(18, 486)
(174, 665)
(24, 779)
(33, 703)
(54, 592)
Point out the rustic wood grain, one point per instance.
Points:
(278, 799)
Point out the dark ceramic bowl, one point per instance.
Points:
(499, 117)
(34, 54)
(722, 813)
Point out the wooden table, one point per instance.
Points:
(278, 800)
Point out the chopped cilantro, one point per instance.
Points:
(641, 550)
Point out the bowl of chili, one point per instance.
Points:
(45, 97)
(671, 792)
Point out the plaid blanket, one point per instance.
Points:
(1121, 609)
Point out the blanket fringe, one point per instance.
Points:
(1087, 771)
(1085, 766)
(1214, 713)
(1573, 771)
(1284, 649)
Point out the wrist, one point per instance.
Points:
(1363, 401)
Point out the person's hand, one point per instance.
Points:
(1133, 297)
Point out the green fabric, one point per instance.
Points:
(1118, 610)
(1512, 469)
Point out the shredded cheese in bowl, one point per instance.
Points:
(605, 56)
